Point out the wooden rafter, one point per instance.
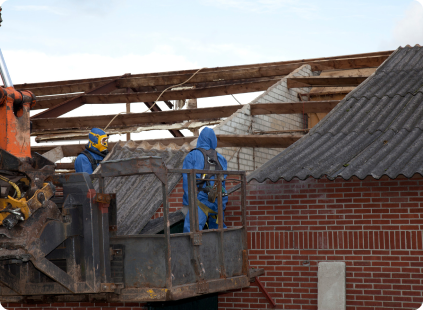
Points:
(156, 108)
(207, 83)
(317, 81)
(209, 77)
(76, 102)
(341, 62)
(193, 93)
(169, 117)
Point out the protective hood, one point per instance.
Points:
(97, 140)
(207, 139)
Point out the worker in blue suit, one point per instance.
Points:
(205, 157)
(94, 152)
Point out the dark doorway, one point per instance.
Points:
(206, 302)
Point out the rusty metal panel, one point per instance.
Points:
(209, 252)
(182, 270)
(144, 260)
(233, 247)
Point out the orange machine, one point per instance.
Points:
(15, 122)
(14, 116)
(22, 176)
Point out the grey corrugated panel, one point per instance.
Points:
(376, 130)
(139, 197)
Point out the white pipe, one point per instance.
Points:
(7, 81)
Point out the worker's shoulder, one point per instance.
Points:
(82, 157)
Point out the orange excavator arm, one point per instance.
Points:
(14, 116)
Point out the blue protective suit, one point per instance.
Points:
(195, 160)
(82, 164)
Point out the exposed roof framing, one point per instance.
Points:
(169, 117)
(342, 62)
(156, 108)
(61, 97)
(207, 83)
(252, 85)
(77, 101)
(212, 75)
(377, 130)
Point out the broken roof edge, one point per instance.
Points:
(340, 177)
(290, 151)
(246, 109)
(416, 175)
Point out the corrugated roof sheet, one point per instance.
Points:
(139, 197)
(376, 130)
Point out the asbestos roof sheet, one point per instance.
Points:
(139, 197)
(376, 130)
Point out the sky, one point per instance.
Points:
(48, 40)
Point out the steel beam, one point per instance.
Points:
(10, 281)
(54, 272)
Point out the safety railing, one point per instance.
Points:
(148, 165)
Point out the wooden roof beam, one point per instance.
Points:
(169, 117)
(302, 61)
(293, 107)
(73, 103)
(192, 93)
(156, 108)
(207, 77)
(267, 141)
(317, 81)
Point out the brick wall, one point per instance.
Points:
(242, 123)
(374, 226)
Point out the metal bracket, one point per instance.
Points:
(103, 198)
(196, 239)
(103, 201)
(108, 287)
(254, 273)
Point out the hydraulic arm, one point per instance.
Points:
(20, 181)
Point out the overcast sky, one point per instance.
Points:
(47, 40)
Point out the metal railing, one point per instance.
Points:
(139, 166)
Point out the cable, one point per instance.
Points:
(159, 96)
(113, 120)
(18, 191)
(236, 99)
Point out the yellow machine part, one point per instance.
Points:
(22, 203)
(16, 204)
